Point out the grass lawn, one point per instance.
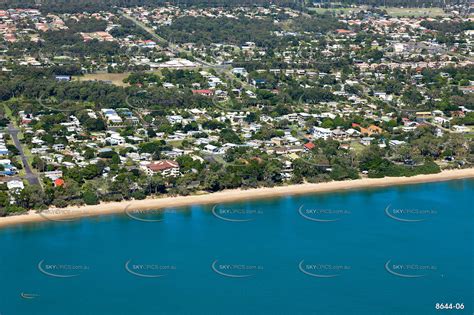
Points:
(337, 10)
(220, 159)
(416, 12)
(9, 115)
(175, 143)
(8, 111)
(27, 152)
(357, 146)
(469, 136)
(392, 11)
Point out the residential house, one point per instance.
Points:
(366, 140)
(166, 168)
(15, 185)
(321, 133)
(309, 146)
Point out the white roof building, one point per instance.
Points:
(321, 133)
(15, 184)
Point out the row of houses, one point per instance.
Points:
(3, 147)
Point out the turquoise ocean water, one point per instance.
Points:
(397, 250)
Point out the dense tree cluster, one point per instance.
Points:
(454, 27)
(78, 6)
(206, 30)
(126, 27)
(86, 25)
(318, 23)
(403, 3)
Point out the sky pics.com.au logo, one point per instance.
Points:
(235, 270)
(230, 214)
(62, 270)
(151, 215)
(62, 215)
(323, 270)
(149, 270)
(322, 215)
(409, 214)
(409, 270)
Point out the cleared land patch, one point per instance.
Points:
(114, 78)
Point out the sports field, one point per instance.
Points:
(392, 11)
(416, 12)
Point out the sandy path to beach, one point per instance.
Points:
(70, 213)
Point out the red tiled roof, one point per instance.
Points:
(309, 146)
(162, 165)
(203, 92)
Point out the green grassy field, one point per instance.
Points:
(357, 146)
(337, 10)
(8, 111)
(417, 12)
(392, 11)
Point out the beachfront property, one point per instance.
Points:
(166, 168)
(191, 108)
(113, 107)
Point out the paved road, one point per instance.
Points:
(172, 47)
(222, 69)
(30, 176)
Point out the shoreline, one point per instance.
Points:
(226, 196)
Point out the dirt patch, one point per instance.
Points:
(113, 78)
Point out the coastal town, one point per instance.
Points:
(137, 102)
(236, 157)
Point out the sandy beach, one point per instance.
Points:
(72, 213)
